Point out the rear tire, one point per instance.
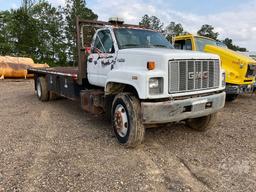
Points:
(231, 97)
(53, 96)
(42, 89)
(202, 124)
(126, 120)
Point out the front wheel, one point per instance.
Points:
(126, 120)
(231, 97)
(202, 123)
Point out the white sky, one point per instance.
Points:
(237, 22)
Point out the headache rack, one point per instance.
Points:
(83, 40)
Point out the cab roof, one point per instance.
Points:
(101, 24)
(191, 36)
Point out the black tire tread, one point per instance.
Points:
(231, 97)
(202, 124)
(44, 89)
(137, 131)
(53, 96)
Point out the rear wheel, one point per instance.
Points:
(126, 120)
(41, 89)
(202, 123)
(53, 96)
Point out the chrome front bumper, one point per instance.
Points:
(178, 110)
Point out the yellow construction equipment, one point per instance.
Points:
(240, 69)
(16, 67)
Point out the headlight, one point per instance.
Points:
(156, 85)
(153, 83)
(223, 79)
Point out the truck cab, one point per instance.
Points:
(121, 55)
(240, 69)
(136, 77)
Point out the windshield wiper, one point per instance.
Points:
(130, 45)
(159, 46)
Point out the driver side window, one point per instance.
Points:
(104, 42)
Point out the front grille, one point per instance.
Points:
(251, 71)
(193, 75)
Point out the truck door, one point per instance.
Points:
(102, 58)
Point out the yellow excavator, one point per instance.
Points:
(240, 69)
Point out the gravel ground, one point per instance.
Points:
(55, 146)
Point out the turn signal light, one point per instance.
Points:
(151, 65)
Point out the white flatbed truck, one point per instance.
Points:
(135, 76)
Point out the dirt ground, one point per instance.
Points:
(55, 146)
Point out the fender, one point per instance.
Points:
(136, 79)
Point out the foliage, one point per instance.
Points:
(41, 31)
(151, 22)
(19, 38)
(230, 45)
(48, 34)
(52, 41)
(208, 31)
(173, 30)
(27, 5)
(73, 9)
(5, 45)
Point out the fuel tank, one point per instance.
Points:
(16, 67)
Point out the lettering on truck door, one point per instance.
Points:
(103, 56)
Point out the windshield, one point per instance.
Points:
(221, 44)
(202, 42)
(138, 38)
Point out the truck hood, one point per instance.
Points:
(169, 53)
(235, 64)
(227, 53)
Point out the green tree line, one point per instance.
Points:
(43, 32)
(47, 34)
(176, 29)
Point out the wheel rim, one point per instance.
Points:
(121, 120)
(38, 89)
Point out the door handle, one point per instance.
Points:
(90, 60)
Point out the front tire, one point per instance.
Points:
(202, 124)
(231, 97)
(126, 120)
(42, 89)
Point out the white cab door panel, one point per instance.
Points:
(102, 58)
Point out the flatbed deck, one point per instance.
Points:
(60, 80)
(63, 71)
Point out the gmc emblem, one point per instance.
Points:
(198, 75)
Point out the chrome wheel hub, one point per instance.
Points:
(38, 89)
(121, 120)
